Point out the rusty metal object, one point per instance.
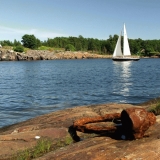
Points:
(80, 124)
(135, 121)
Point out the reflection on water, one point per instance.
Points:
(122, 82)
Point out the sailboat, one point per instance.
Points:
(126, 55)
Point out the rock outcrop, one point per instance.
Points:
(102, 146)
(7, 55)
(10, 55)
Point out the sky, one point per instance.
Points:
(88, 18)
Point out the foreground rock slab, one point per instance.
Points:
(55, 126)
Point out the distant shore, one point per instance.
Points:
(10, 55)
(30, 55)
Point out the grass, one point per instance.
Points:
(25, 155)
(7, 47)
(62, 143)
(50, 48)
(44, 48)
(89, 135)
(43, 146)
(26, 49)
(155, 108)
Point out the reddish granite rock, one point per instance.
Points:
(94, 147)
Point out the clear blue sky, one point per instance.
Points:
(89, 18)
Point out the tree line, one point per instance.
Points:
(137, 46)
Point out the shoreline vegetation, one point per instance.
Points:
(32, 48)
(47, 136)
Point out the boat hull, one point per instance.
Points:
(125, 59)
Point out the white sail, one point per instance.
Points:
(126, 49)
(126, 55)
(117, 50)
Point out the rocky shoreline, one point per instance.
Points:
(54, 126)
(32, 55)
(10, 55)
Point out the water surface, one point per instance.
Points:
(32, 88)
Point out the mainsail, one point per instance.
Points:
(126, 49)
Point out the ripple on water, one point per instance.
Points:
(29, 89)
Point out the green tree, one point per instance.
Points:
(38, 43)
(148, 51)
(83, 43)
(6, 43)
(69, 47)
(91, 44)
(135, 47)
(30, 41)
(16, 43)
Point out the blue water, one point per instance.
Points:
(32, 88)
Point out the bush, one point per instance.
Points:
(19, 49)
(69, 47)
